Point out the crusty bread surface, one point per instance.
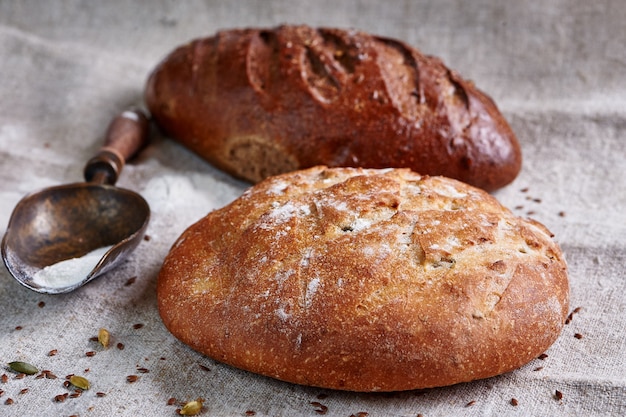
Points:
(366, 280)
(259, 102)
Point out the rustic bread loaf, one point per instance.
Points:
(261, 102)
(365, 280)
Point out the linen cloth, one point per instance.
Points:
(556, 70)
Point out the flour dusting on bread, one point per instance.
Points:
(364, 279)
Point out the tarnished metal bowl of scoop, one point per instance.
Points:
(62, 237)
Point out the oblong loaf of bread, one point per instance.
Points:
(365, 280)
(256, 103)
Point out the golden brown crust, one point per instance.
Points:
(260, 102)
(365, 280)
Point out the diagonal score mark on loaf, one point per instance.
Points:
(400, 73)
(323, 74)
(401, 70)
(262, 61)
(272, 56)
(366, 221)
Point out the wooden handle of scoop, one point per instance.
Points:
(126, 136)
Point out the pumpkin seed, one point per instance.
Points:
(79, 382)
(104, 337)
(23, 368)
(191, 408)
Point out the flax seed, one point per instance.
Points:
(61, 397)
(321, 408)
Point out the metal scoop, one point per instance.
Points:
(69, 221)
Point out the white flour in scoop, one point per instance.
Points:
(69, 272)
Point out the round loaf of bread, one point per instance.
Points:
(260, 102)
(366, 280)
